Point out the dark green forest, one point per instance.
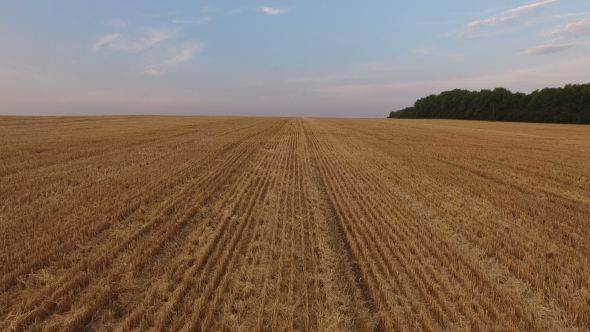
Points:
(570, 104)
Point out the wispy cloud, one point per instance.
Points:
(120, 43)
(522, 10)
(563, 32)
(511, 16)
(273, 11)
(547, 49)
(519, 15)
(158, 45)
(198, 21)
(178, 56)
(119, 23)
(570, 30)
(494, 20)
(104, 41)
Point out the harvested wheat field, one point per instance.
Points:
(284, 224)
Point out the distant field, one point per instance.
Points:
(280, 224)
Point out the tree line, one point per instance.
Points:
(570, 104)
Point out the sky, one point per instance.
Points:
(345, 58)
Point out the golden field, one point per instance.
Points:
(286, 224)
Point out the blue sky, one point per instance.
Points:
(345, 58)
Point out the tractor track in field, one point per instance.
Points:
(341, 236)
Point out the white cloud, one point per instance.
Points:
(183, 54)
(105, 40)
(273, 11)
(511, 16)
(117, 23)
(570, 30)
(198, 21)
(547, 49)
(494, 20)
(529, 8)
(171, 53)
(153, 37)
(563, 32)
(120, 43)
